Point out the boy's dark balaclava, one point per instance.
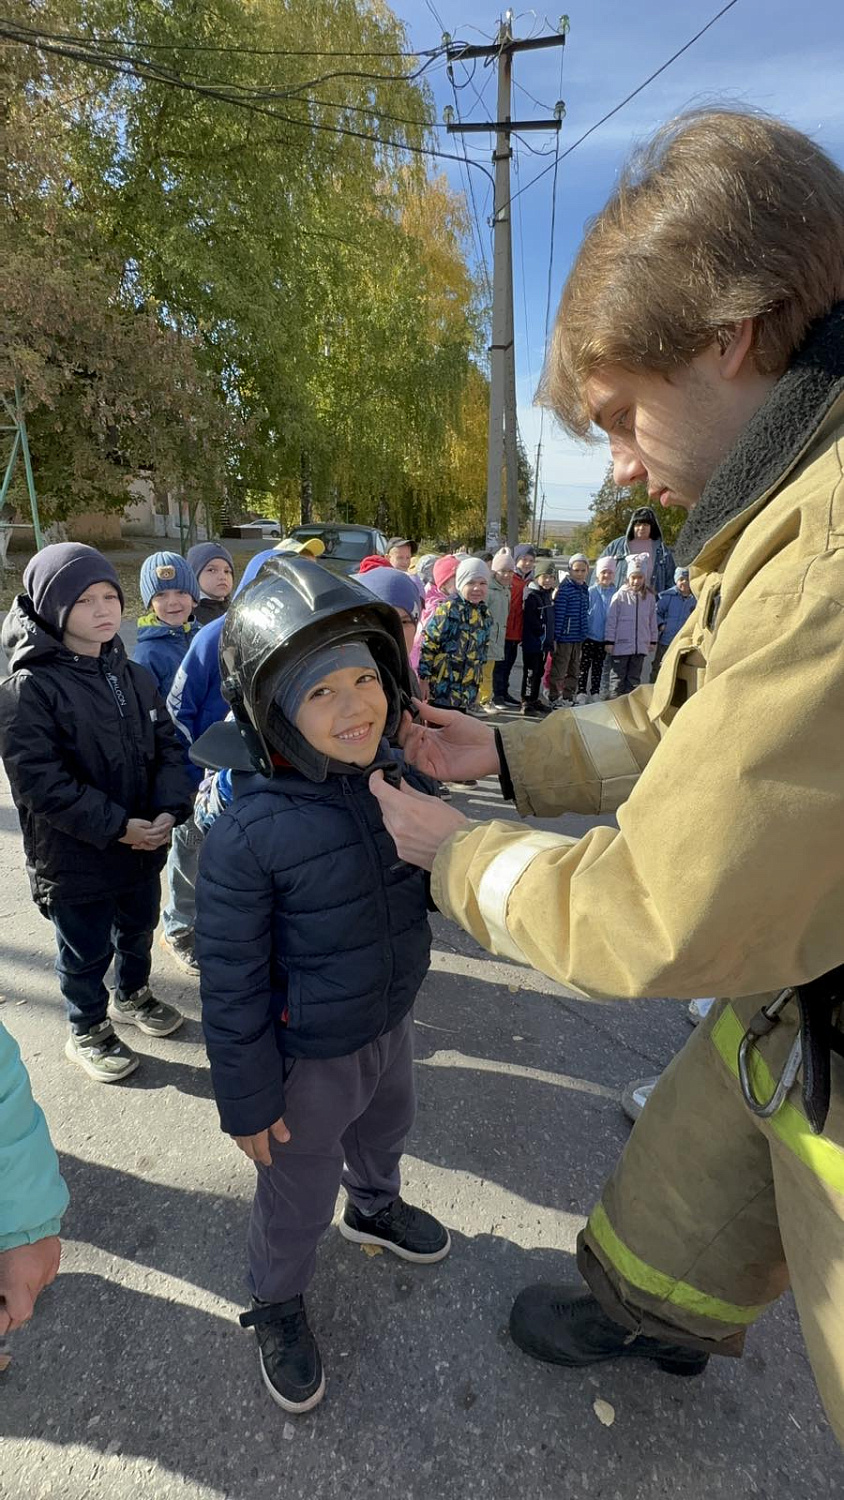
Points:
(294, 686)
(285, 693)
(59, 575)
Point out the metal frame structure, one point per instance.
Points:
(20, 448)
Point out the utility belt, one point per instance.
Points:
(819, 1006)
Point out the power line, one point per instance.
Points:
(149, 74)
(125, 55)
(548, 108)
(476, 220)
(608, 116)
(538, 459)
(183, 46)
(524, 291)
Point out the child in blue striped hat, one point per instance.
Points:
(170, 592)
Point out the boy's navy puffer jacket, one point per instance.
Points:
(87, 744)
(571, 611)
(312, 936)
(162, 648)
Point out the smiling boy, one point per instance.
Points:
(313, 941)
(170, 592)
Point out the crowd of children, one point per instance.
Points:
(277, 699)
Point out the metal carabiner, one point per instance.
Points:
(762, 1023)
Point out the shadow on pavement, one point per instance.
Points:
(426, 1395)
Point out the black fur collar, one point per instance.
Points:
(774, 438)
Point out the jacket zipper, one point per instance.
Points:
(372, 856)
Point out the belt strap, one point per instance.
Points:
(817, 1003)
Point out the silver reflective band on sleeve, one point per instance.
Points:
(615, 764)
(498, 880)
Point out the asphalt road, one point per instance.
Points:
(134, 1379)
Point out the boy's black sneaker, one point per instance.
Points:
(566, 1325)
(291, 1365)
(409, 1232)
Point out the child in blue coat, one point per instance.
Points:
(673, 608)
(313, 941)
(195, 702)
(571, 616)
(170, 592)
(594, 662)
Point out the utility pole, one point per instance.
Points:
(502, 450)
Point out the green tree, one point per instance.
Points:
(109, 390)
(298, 320)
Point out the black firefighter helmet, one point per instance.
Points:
(295, 607)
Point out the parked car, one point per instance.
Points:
(254, 531)
(346, 545)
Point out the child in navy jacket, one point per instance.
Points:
(537, 635)
(170, 591)
(313, 941)
(673, 608)
(195, 701)
(571, 619)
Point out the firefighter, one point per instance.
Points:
(702, 329)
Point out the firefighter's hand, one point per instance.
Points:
(257, 1147)
(448, 746)
(417, 824)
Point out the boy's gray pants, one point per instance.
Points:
(348, 1118)
(182, 868)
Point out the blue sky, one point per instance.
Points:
(774, 54)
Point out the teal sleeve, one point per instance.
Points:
(33, 1195)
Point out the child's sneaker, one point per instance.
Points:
(101, 1054)
(181, 951)
(144, 1011)
(291, 1365)
(409, 1232)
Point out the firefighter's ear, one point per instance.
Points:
(734, 341)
